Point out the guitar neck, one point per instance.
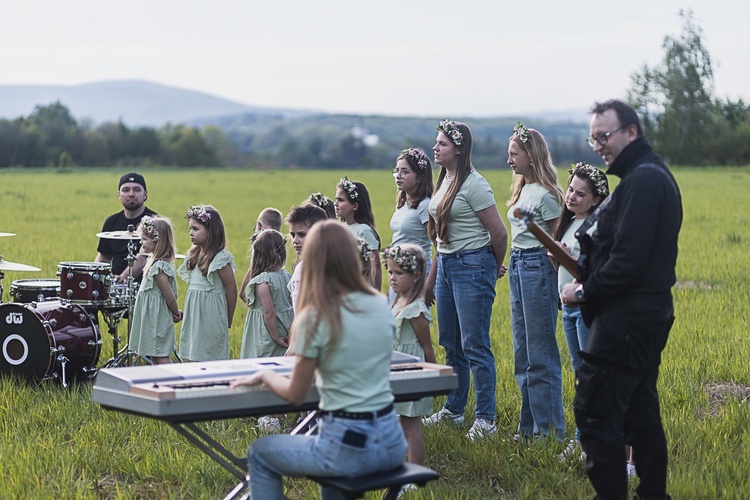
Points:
(563, 257)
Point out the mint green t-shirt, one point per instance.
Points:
(465, 228)
(354, 374)
(546, 212)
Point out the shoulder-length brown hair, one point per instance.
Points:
(424, 180)
(269, 252)
(201, 257)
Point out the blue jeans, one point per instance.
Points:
(325, 454)
(576, 333)
(538, 371)
(464, 293)
(576, 336)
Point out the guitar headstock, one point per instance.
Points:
(525, 214)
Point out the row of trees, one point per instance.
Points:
(680, 115)
(51, 136)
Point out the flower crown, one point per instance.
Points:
(198, 213)
(450, 128)
(522, 132)
(321, 200)
(419, 156)
(365, 252)
(594, 174)
(404, 258)
(147, 226)
(350, 188)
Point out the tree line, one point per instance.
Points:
(681, 117)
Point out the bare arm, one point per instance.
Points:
(163, 283)
(498, 235)
(269, 314)
(245, 281)
(422, 330)
(138, 264)
(227, 277)
(293, 390)
(429, 285)
(100, 257)
(378, 271)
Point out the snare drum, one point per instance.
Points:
(27, 291)
(84, 282)
(51, 339)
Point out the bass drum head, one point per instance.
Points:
(25, 343)
(35, 339)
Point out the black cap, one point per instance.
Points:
(132, 177)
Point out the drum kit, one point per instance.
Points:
(50, 331)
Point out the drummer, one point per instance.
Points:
(133, 194)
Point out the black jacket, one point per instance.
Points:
(631, 263)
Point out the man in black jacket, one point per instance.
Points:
(626, 293)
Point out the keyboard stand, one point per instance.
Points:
(218, 453)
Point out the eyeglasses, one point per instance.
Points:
(603, 138)
(400, 174)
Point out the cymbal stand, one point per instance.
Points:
(2, 276)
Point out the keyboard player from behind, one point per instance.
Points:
(342, 339)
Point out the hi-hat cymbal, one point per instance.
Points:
(7, 234)
(15, 266)
(119, 235)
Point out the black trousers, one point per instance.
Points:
(618, 404)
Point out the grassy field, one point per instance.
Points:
(55, 443)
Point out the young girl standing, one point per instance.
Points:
(413, 176)
(406, 266)
(533, 287)
(587, 188)
(155, 311)
(266, 331)
(353, 206)
(212, 292)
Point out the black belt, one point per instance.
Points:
(356, 415)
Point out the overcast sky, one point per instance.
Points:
(396, 57)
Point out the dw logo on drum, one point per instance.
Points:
(14, 318)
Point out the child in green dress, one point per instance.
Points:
(406, 275)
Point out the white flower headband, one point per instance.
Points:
(147, 226)
(350, 188)
(522, 132)
(419, 156)
(450, 128)
(404, 258)
(321, 200)
(593, 173)
(365, 252)
(198, 213)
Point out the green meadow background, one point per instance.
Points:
(56, 443)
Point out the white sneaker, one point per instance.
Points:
(481, 429)
(630, 469)
(443, 416)
(269, 424)
(406, 489)
(570, 451)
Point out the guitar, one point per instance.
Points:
(566, 260)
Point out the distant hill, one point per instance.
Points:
(135, 102)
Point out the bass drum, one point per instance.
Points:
(51, 339)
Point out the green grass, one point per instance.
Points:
(55, 443)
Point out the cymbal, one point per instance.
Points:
(7, 234)
(14, 266)
(119, 235)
